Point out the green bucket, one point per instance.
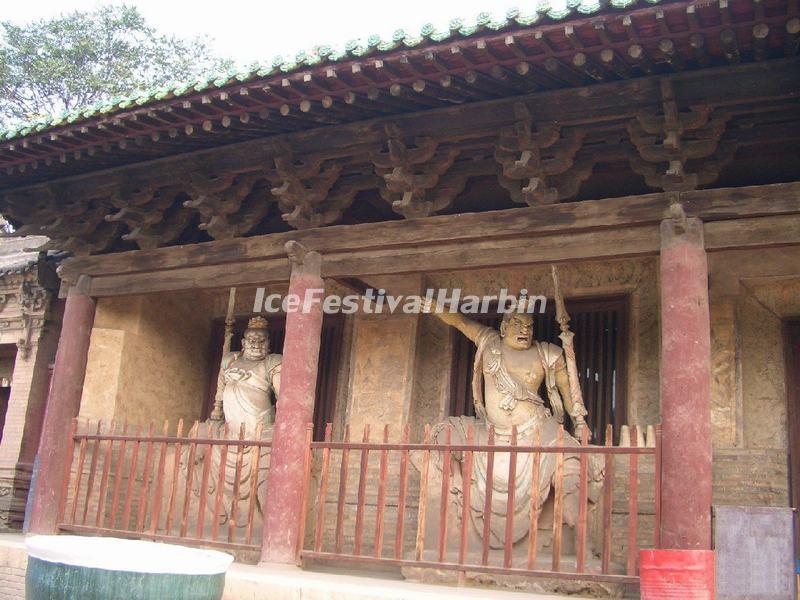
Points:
(96, 568)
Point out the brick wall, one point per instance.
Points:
(13, 562)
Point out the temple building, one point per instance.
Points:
(643, 155)
(30, 321)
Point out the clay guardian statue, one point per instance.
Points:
(250, 380)
(509, 371)
(247, 389)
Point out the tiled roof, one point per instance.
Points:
(354, 49)
(18, 255)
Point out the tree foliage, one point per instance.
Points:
(83, 57)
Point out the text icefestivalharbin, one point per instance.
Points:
(378, 301)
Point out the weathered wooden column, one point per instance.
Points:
(63, 404)
(685, 387)
(294, 410)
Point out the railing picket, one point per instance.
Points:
(126, 514)
(206, 473)
(384, 464)
(558, 502)
(118, 477)
(255, 460)
(533, 528)
(403, 490)
(608, 501)
(657, 528)
(633, 504)
(419, 546)
(187, 488)
(445, 493)
(237, 476)
(319, 531)
(78, 477)
(173, 492)
(155, 512)
(223, 463)
(62, 499)
(583, 505)
(512, 476)
(303, 514)
(101, 496)
(362, 490)
(467, 495)
(146, 473)
(487, 501)
(340, 506)
(92, 472)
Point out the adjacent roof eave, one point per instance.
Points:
(319, 56)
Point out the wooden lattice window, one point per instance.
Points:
(330, 353)
(600, 349)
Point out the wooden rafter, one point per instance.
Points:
(671, 38)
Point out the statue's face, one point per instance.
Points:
(517, 331)
(255, 344)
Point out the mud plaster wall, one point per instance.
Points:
(752, 293)
(382, 372)
(148, 358)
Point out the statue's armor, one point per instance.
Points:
(489, 365)
(248, 394)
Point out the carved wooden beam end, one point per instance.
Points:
(679, 150)
(302, 257)
(410, 171)
(537, 161)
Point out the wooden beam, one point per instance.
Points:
(755, 232)
(605, 244)
(739, 217)
(709, 205)
(590, 245)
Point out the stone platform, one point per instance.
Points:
(252, 582)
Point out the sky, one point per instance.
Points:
(250, 31)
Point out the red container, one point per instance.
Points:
(676, 574)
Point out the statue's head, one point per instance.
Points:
(516, 329)
(255, 341)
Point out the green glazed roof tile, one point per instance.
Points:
(440, 35)
(413, 40)
(484, 21)
(587, 7)
(455, 24)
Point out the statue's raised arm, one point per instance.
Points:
(471, 329)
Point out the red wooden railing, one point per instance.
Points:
(345, 541)
(125, 482)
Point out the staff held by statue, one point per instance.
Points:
(567, 341)
(216, 413)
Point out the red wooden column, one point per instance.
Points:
(685, 387)
(294, 410)
(63, 404)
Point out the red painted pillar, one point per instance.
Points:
(294, 410)
(63, 404)
(685, 387)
